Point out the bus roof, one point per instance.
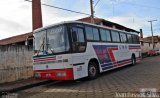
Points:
(80, 22)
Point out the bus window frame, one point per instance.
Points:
(81, 25)
(136, 39)
(66, 52)
(119, 37)
(126, 37)
(101, 36)
(69, 26)
(92, 32)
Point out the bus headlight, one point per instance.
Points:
(61, 74)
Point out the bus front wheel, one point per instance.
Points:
(92, 70)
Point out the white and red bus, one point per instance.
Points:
(73, 50)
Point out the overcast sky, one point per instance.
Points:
(16, 17)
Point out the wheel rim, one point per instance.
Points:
(133, 61)
(92, 70)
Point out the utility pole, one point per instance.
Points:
(152, 32)
(92, 11)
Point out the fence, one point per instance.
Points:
(15, 63)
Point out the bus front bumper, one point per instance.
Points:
(54, 74)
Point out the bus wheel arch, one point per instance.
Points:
(93, 68)
(133, 59)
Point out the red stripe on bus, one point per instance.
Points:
(45, 60)
(110, 50)
(123, 63)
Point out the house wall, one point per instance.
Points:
(15, 63)
(146, 47)
(157, 46)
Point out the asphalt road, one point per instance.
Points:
(127, 80)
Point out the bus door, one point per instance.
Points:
(78, 48)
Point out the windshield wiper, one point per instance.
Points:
(42, 45)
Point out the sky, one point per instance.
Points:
(16, 15)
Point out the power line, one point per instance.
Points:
(62, 8)
(148, 29)
(96, 3)
(140, 5)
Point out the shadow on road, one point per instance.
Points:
(83, 80)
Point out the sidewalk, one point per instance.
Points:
(21, 84)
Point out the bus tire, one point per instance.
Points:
(133, 60)
(92, 71)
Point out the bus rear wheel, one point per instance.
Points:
(92, 70)
(133, 59)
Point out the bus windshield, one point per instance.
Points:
(50, 41)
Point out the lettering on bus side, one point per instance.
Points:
(123, 47)
(59, 57)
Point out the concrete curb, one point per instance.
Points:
(16, 89)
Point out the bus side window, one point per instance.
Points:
(130, 39)
(123, 37)
(74, 34)
(95, 34)
(80, 34)
(77, 35)
(115, 36)
(108, 33)
(105, 35)
(136, 39)
(138, 42)
(89, 33)
(78, 39)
